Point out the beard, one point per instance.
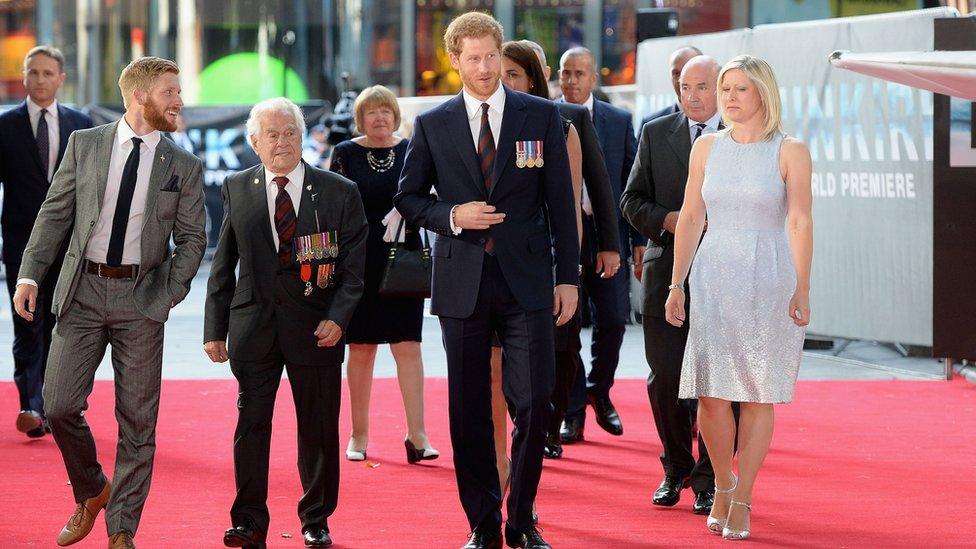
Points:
(156, 117)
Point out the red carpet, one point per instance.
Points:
(854, 464)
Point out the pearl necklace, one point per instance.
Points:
(381, 165)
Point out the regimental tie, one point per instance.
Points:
(285, 221)
(120, 221)
(43, 144)
(701, 127)
(486, 156)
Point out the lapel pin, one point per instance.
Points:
(161, 157)
(308, 188)
(256, 181)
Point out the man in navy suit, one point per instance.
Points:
(498, 162)
(33, 137)
(679, 58)
(608, 292)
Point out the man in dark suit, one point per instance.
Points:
(33, 137)
(651, 203)
(299, 234)
(498, 162)
(679, 58)
(605, 208)
(608, 292)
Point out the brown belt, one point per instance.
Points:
(106, 271)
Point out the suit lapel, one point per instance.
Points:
(680, 139)
(600, 123)
(257, 191)
(157, 177)
(28, 133)
(306, 210)
(512, 120)
(64, 132)
(103, 157)
(461, 138)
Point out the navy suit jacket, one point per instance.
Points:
(615, 131)
(537, 202)
(24, 183)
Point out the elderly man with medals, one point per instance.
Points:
(298, 234)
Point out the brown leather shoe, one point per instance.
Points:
(81, 521)
(29, 420)
(121, 540)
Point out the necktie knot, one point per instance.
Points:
(484, 109)
(136, 142)
(280, 181)
(43, 112)
(701, 126)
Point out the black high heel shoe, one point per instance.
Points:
(415, 454)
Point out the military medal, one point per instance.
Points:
(324, 277)
(538, 159)
(530, 160)
(306, 273)
(331, 243)
(318, 246)
(520, 154)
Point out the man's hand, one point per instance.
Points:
(216, 350)
(329, 333)
(25, 299)
(607, 264)
(477, 216)
(638, 260)
(564, 298)
(671, 222)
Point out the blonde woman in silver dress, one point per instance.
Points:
(751, 274)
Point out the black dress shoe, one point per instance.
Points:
(553, 449)
(245, 535)
(317, 536)
(480, 539)
(530, 539)
(606, 415)
(703, 502)
(669, 492)
(572, 431)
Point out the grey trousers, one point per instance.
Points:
(104, 312)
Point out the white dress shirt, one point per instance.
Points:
(711, 126)
(472, 107)
(296, 178)
(97, 249)
(589, 105)
(53, 131)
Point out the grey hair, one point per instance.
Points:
(541, 53)
(281, 105)
(577, 52)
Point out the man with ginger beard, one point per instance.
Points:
(121, 194)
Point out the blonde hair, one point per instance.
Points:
(761, 75)
(141, 74)
(473, 24)
(375, 96)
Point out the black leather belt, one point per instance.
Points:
(106, 271)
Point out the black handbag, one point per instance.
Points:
(407, 272)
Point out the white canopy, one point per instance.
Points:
(946, 72)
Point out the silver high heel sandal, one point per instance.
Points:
(736, 535)
(715, 525)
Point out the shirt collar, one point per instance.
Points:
(124, 133)
(33, 109)
(496, 102)
(710, 123)
(295, 177)
(589, 104)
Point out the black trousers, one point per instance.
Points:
(527, 380)
(317, 391)
(32, 341)
(568, 366)
(664, 347)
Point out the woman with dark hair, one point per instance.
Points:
(522, 71)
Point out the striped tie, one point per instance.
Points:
(486, 156)
(285, 221)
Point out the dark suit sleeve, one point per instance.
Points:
(223, 281)
(413, 200)
(630, 152)
(54, 219)
(638, 203)
(598, 187)
(351, 263)
(560, 202)
(189, 235)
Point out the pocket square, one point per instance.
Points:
(173, 184)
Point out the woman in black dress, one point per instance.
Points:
(374, 161)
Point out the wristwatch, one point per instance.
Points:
(676, 287)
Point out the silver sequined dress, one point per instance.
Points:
(742, 345)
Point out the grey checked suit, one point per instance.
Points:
(94, 311)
